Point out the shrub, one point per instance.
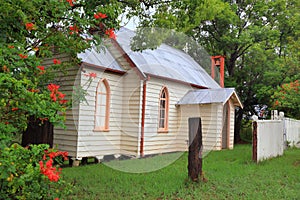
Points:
(28, 173)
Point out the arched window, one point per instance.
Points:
(163, 110)
(102, 106)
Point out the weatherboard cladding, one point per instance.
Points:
(165, 61)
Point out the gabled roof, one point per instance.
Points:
(102, 58)
(165, 62)
(207, 96)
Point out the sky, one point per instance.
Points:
(131, 24)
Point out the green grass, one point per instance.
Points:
(231, 175)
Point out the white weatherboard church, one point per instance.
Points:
(140, 102)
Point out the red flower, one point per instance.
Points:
(61, 95)
(64, 154)
(42, 164)
(29, 26)
(73, 29)
(111, 34)
(56, 61)
(23, 56)
(41, 68)
(100, 15)
(91, 74)
(71, 2)
(49, 163)
(52, 87)
(96, 16)
(49, 170)
(14, 109)
(11, 46)
(55, 94)
(63, 101)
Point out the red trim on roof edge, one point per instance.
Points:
(103, 68)
(128, 59)
(176, 81)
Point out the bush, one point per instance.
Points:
(28, 173)
(246, 131)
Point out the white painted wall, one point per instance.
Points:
(131, 113)
(292, 128)
(269, 139)
(99, 143)
(211, 120)
(232, 117)
(174, 139)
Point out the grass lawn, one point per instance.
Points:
(231, 175)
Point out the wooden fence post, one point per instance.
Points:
(195, 149)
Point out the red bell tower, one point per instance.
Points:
(217, 63)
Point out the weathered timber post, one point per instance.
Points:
(195, 149)
(254, 141)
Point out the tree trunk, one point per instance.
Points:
(195, 149)
(238, 125)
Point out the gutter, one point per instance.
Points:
(143, 117)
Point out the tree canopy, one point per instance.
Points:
(29, 33)
(259, 39)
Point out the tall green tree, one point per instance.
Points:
(29, 32)
(256, 37)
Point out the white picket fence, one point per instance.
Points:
(273, 136)
(292, 132)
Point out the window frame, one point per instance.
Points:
(164, 129)
(104, 128)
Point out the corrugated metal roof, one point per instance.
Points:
(102, 58)
(166, 61)
(206, 96)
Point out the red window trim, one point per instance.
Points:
(107, 107)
